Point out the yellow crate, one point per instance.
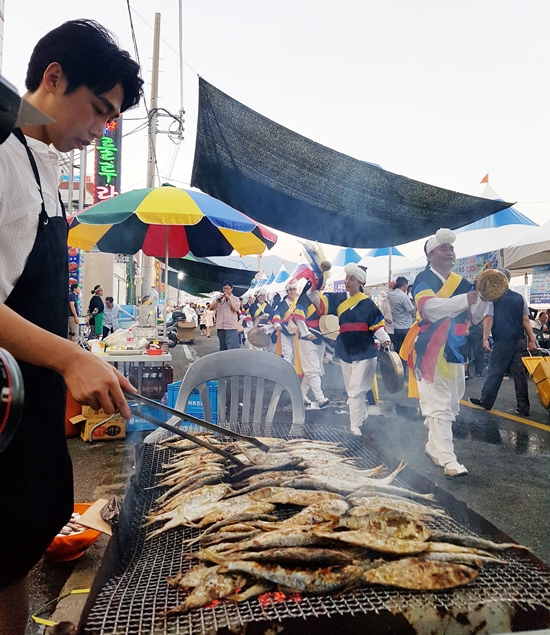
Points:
(542, 371)
(531, 363)
(543, 388)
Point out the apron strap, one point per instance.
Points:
(43, 214)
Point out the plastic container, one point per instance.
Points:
(194, 404)
(154, 351)
(65, 548)
(137, 424)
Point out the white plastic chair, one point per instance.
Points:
(242, 406)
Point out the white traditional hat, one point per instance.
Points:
(291, 284)
(442, 236)
(356, 272)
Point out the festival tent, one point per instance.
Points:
(379, 263)
(530, 251)
(345, 256)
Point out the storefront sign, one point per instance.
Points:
(75, 262)
(540, 285)
(107, 162)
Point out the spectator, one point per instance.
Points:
(202, 321)
(227, 309)
(402, 310)
(95, 312)
(508, 321)
(73, 312)
(209, 318)
(111, 315)
(385, 309)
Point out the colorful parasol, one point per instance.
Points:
(168, 221)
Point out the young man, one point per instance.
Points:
(402, 311)
(79, 77)
(227, 308)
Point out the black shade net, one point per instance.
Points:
(296, 185)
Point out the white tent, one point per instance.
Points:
(531, 250)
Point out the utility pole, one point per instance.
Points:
(148, 262)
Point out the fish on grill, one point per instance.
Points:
(290, 496)
(420, 574)
(314, 514)
(349, 478)
(229, 507)
(369, 504)
(388, 523)
(326, 580)
(287, 537)
(474, 541)
(372, 540)
(314, 556)
(215, 586)
(190, 502)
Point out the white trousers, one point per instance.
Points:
(287, 342)
(440, 403)
(311, 360)
(358, 377)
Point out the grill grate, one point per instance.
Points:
(131, 600)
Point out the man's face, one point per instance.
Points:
(81, 116)
(543, 317)
(292, 292)
(227, 289)
(109, 304)
(352, 285)
(442, 257)
(76, 290)
(261, 298)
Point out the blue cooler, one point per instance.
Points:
(194, 404)
(137, 424)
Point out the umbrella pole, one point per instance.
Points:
(389, 267)
(165, 280)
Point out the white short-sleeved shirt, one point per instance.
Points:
(20, 204)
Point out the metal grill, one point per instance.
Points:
(130, 601)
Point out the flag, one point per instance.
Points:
(485, 179)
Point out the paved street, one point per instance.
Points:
(508, 458)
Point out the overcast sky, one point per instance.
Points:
(442, 92)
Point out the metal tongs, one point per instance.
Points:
(182, 416)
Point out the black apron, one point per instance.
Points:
(36, 478)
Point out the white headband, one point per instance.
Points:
(355, 272)
(261, 291)
(291, 285)
(442, 237)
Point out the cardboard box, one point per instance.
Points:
(542, 371)
(112, 430)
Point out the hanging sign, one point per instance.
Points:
(107, 162)
(540, 285)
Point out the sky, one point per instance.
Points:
(442, 92)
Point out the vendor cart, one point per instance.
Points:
(186, 332)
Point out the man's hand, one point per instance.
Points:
(473, 297)
(93, 382)
(310, 336)
(386, 344)
(486, 345)
(532, 346)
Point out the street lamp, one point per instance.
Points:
(180, 278)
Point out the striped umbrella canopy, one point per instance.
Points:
(169, 222)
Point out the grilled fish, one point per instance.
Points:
(349, 478)
(420, 574)
(372, 540)
(473, 541)
(191, 578)
(290, 496)
(226, 508)
(252, 592)
(389, 523)
(325, 580)
(370, 504)
(306, 556)
(217, 585)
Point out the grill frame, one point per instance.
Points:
(130, 588)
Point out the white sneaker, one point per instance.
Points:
(454, 469)
(356, 431)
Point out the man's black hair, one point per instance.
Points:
(89, 56)
(74, 286)
(227, 284)
(109, 299)
(400, 281)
